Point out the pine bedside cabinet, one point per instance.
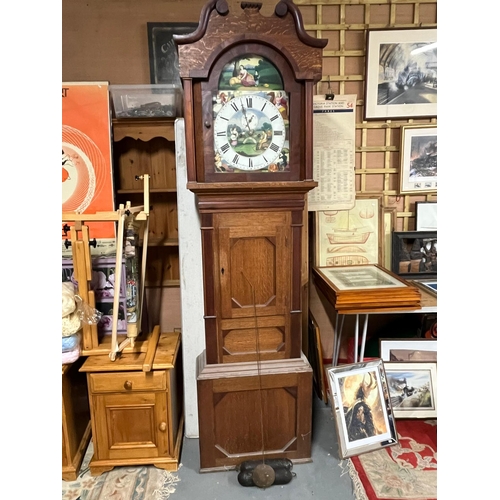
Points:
(136, 407)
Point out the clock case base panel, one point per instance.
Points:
(230, 398)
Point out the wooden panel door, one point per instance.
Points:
(252, 281)
(130, 425)
(247, 412)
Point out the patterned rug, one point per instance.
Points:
(407, 470)
(121, 483)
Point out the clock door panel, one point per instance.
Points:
(254, 255)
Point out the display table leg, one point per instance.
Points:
(363, 339)
(338, 338)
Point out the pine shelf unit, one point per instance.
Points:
(147, 146)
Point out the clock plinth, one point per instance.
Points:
(248, 85)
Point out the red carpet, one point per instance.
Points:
(407, 470)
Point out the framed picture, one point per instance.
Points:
(354, 278)
(430, 286)
(401, 74)
(389, 227)
(426, 216)
(418, 159)
(412, 389)
(361, 406)
(414, 254)
(315, 357)
(351, 237)
(163, 56)
(408, 349)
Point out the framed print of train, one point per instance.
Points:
(401, 74)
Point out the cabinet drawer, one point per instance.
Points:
(128, 381)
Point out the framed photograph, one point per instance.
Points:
(361, 406)
(401, 74)
(351, 237)
(418, 155)
(412, 389)
(163, 56)
(414, 254)
(408, 349)
(426, 216)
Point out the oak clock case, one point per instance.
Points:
(248, 83)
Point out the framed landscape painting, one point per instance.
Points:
(401, 74)
(412, 389)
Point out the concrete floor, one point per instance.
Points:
(324, 478)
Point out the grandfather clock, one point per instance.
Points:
(248, 91)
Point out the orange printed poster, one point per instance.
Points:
(87, 172)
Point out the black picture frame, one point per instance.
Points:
(163, 58)
(414, 254)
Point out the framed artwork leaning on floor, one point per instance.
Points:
(362, 408)
(412, 389)
(408, 349)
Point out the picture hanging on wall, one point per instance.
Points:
(418, 154)
(401, 74)
(351, 237)
(426, 216)
(163, 58)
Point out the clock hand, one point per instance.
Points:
(245, 115)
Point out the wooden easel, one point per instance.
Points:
(82, 263)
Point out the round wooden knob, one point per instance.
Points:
(163, 426)
(127, 385)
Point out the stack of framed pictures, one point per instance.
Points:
(365, 288)
(411, 369)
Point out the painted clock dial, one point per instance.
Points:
(250, 112)
(250, 133)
